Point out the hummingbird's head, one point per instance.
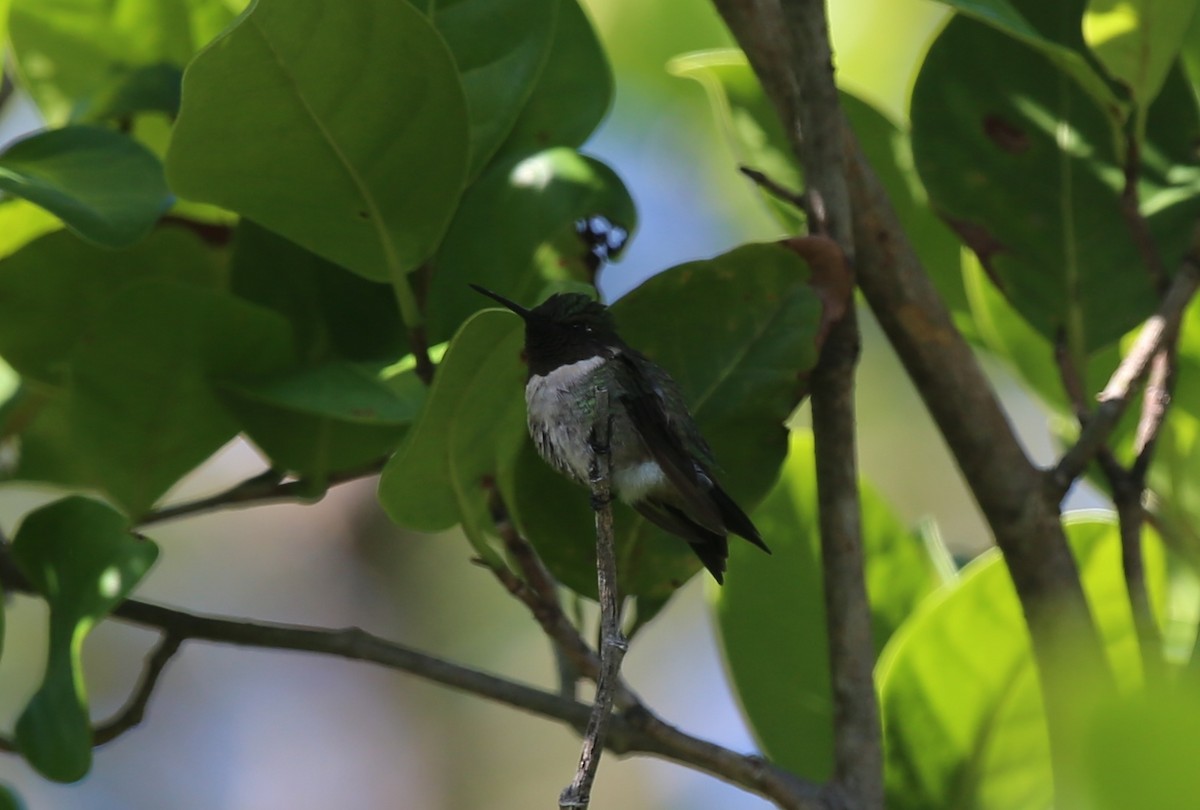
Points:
(563, 329)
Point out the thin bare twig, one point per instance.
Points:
(1139, 228)
(775, 189)
(269, 486)
(612, 642)
(1158, 332)
(135, 709)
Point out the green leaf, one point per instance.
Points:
(515, 232)
(334, 314)
(143, 407)
(54, 288)
(21, 222)
(72, 53)
(742, 332)
(771, 617)
(106, 187)
(81, 557)
(153, 88)
(1027, 170)
(1141, 751)
(326, 418)
(573, 91)
(963, 718)
(473, 412)
(753, 131)
(351, 114)
(9, 800)
(1049, 30)
(1137, 40)
(500, 47)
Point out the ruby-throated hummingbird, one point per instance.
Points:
(661, 465)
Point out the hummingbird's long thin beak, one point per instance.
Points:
(517, 308)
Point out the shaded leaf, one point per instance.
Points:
(352, 116)
(515, 232)
(962, 710)
(54, 288)
(1023, 164)
(104, 186)
(1049, 30)
(500, 47)
(333, 313)
(325, 418)
(9, 800)
(573, 90)
(771, 618)
(142, 408)
(80, 556)
(440, 475)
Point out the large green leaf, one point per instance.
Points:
(500, 47)
(474, 412)
(342, 126)
(105, 186)
(81, 557)
(771, 617)
(742, 330)
(515, 232)
(1026, 167)
(752, 129)
(73, 52)
(53, 289)
(1048, 29)
(573, 90)
(325, 418)
(962, 709)
(1141, 752)
(9, 800)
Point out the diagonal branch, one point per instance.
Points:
(1158, 332)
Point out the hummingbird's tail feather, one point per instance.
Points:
(735, 519)
(710, 547)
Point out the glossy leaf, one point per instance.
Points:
(742, 330)
(1023, 165)
(515, 232)
(962, 710)
(106, 187)
(325, 418)
(143, 409)
(1050, 30)
(573, 91)
(341, 126)
(81, 557)
(73, 53)
(771, 617)
(54, 288)
(439, 476)
(1137, 41)
(752, 129)
(500, 47)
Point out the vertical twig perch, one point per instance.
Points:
(612, 643)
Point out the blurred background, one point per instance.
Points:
(242, 729)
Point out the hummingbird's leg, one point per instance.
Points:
(600, 448)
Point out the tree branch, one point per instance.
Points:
(612, 643)
(1010, 490)
(1158, 332)
(266, 487)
